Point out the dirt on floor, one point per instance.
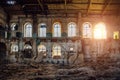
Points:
(102, 69)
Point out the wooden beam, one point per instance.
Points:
(118, 11)
(43, 6)
(90, 2)
(65, 6)
(73, 4)
(106, 5)
(40, 4)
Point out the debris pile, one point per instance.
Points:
(100, 70)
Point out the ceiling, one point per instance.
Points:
(45, 7)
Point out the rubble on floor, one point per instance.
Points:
(99, 70)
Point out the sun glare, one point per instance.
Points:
(100, 31)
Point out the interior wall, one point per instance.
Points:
(111, 21)
(2, 17)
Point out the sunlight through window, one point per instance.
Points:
(56, 51)
(100, 31)
(116, 35)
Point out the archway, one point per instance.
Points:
(42, 49)
(56, 54)
(100, 31)
(28, 53)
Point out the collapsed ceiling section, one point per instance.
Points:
(45, 7)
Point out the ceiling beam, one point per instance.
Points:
(40, 4)
(73, 4)
(64, 10)
(118, 11)
(105, 6)
(88, 9)
(65, 6)
(61, 11)
(43, 6)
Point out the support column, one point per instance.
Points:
(79, 27)
(34, 34)
(87, 49)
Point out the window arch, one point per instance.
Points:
(100, 31)
(42, 30)
(56, 29)
(28, 51)
(71, 29)
(116, 35)
(56, 51)
(41, 48)
(13, 25)
(87, 30)
(27, 46)
(27, 29)
(14, 48)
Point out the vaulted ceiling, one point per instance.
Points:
(45, 7)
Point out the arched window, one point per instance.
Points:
(57, 29)
(100, 31)
(27, 46)
(41, 48)
(28, 52)
(13, 25)
(14, 48)
(71, 29)
(28, 30)
(116, 35)
(56, 51)
(87, 30)
(42, 30)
